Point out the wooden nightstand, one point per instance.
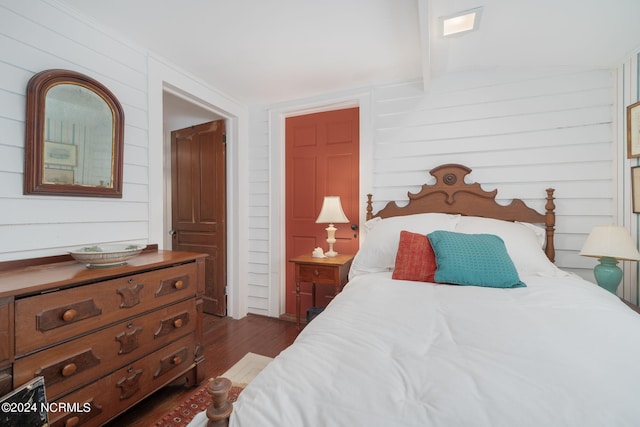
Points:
(324, 271)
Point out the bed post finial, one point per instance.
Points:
(220, 409)
(369, 207)
(550, 222)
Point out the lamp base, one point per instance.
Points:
(331, 239)
(608, 274)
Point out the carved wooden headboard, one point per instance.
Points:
(451, 194)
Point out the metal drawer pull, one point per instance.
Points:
(179, 284)
(177, 360)
(177, 323)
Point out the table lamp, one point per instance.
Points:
(331, 213)
(610, 244)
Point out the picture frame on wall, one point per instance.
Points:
(635, 188)
(58, 176)
(57, 153)
(633, 130)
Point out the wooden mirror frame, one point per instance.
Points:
(37, 89)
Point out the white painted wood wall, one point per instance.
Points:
(521, 131)
(628, 93)
(262, 279)
(36, 35)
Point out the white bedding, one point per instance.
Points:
(560, 352)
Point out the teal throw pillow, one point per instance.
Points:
(473, 259)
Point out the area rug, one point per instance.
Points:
(240, 375)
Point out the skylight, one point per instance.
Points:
(461, 22)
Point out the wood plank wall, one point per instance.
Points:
(521, 131)
(38, 35)
(628, 78)
(260, 220)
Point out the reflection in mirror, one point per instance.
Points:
(74, 136)
(77, 137)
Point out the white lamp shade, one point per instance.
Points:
(331, 212)
(611, 241)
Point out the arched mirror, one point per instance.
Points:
(74, 136)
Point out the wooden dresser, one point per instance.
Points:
(102, 338)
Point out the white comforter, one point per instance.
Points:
(560, 352)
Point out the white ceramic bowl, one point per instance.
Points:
(106, 255)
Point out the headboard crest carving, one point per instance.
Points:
(451, 194)
(450, 179)
(452, 176)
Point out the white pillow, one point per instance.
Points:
(541, 233)
(523, 241)
(378, 251)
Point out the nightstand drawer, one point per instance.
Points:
(318, 274)
(332, 271)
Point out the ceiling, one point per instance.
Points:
(266, 51)
(178, 113)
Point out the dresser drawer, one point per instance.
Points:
(44, 320)
(318, 274)
(6, 381)
(69, 365)
(6, 329)
(115, 393)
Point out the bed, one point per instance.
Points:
(468, 344)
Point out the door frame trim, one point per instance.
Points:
(164, 77)
(277, 118)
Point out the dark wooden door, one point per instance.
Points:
(198, 195)
(322, 159)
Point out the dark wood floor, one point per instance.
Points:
(225, 341)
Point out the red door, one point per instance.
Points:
(322, 159)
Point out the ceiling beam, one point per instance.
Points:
(425, 41)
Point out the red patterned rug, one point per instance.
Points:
(240, 374)
(182, 414)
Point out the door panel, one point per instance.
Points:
(322, 159)
(198, 191)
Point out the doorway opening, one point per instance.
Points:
(195, 188)
(277, 119)
(321, 159)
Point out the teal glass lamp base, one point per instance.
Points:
(608, 274)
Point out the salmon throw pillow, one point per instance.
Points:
(415, 259)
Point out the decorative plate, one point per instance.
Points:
(106, 255)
